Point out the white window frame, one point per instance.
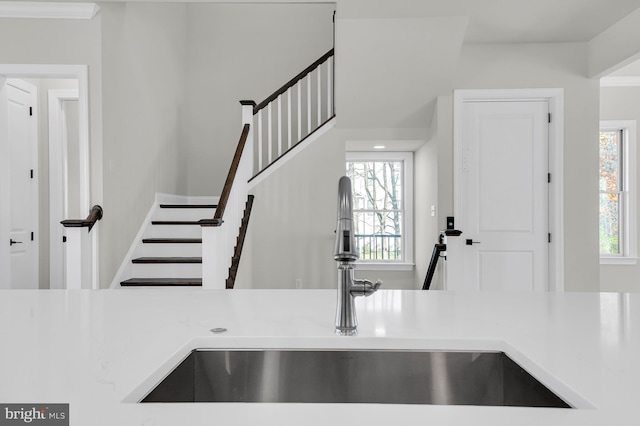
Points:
(628, 221)
(407, 263)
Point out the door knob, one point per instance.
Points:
(11, 242)
(471, 242)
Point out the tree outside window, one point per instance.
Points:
(378, 208)
(611, 191)
(617, 180)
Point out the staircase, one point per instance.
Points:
(172, 253)
(198, 245)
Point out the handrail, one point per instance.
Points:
(226, 190)
(437, 249)
(440, 247)
(293, 81)
(94, 215)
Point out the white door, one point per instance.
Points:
(23, 198)
(504, 195)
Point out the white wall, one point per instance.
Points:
(236, 52)
(621, 103)
(291, 231)
(389, 71)
(556, 65)
(144, 51)
(426, 190)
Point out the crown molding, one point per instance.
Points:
(619, 81)
(48, 10)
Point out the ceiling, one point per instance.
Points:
(490, 21)
(631, 70)
(507, 21)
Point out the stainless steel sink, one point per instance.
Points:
(353, 376)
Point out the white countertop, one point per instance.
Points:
(97, 349)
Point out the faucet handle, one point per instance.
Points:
(377, 285)
(365, 287)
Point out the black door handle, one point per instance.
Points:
(11, 242)
(471, 242)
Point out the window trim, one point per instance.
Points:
(629, 192)
(407, 181)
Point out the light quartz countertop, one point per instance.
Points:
(100, 350)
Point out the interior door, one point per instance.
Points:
(504, 201)
(23, 198)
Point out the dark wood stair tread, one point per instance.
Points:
(188, 206)
(172, 240)
(167, 260)
(175, 222)
(147, 282)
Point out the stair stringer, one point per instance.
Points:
(136, 249)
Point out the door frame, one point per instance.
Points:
(80, 73)
(555, 99)
(58, 196)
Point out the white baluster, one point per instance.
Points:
(260, 147)
(319, 95)
(279, 126)
(308, 103)
(299, 86)
(329, 87)
(269, 132)
(289, 116)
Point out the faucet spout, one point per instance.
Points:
(345, 254)
(345, 249)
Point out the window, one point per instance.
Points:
(617, 192)
(382, 208)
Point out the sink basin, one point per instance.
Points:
(353, 376)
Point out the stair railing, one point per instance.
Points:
(293, 112)
(219, 233)
(308, 99)
(81, 270)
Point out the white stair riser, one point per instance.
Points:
(171, 250)
(166, 270)
(176, 231)
(183, 214)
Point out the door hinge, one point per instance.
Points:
(549, 237)
(32, 236)
(64, 239)
(548, 177)
(31, 173)
(30, 111)
(549, 116)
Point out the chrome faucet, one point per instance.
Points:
(345, 254)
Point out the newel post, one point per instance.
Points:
(81, 272)
(248, 110)
(78, 244)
